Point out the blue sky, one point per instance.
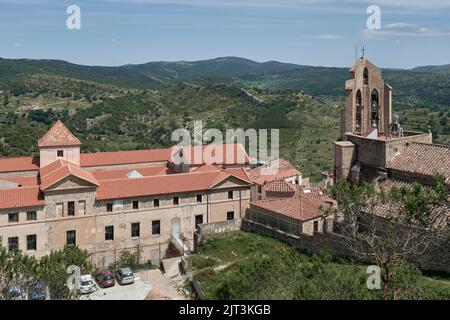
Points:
(312, 32)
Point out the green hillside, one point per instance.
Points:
(138, 106)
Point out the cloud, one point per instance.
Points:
(328, 37)
(405, 29)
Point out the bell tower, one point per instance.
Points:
(368, 102)
(59, 143)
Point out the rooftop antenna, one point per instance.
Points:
(356, 54)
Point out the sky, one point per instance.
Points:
(307, 32)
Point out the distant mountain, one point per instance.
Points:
(423, 85)
(445, 68)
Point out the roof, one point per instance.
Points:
(270, 172)
(21, 197)
(279, 186)
(423, 159)
(111, 158)
(16, 164)
(99, 159)
(58, 135)
(158, 185)
(298, 207)
(61, 169)
(122, 173)
(221, 154)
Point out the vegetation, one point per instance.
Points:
(138, 106)
(240, 265)
(22, 275)
(392, 227)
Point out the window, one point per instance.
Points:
(13, 243)
(176, 201)
(70, 208)
(135, 230)
(156, 202)
(109, 207)
(31, 242)
(71, 238)
(60, 209)
(82, 207)
(156, 227)
(13, 217)
(60, 153)
(31, 215)
(366, 76)
(109, 233)
(230, 215)
(230, 194)
(316, 226)
(259, 189)
(136, 204)
(199, 198)
(198, 220)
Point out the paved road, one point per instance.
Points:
(136, 291)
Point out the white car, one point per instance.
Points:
(87, 284)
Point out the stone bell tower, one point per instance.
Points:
(368, 102)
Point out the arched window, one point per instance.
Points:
(358, 111)
(374, 108)
(366, 76)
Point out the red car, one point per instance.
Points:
(105, 278)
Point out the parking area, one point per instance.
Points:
(148, 285)
(135, 291)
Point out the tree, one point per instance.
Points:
(392, 227)
(21, 273)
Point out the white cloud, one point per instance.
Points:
(328, 37)
(405, 29)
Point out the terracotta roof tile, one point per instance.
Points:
(221, 154)
(424, 159)
(285, 170)
(98, 159)
(68, 169)
(17, 164)
(122, 173)
(58, 135)
(158, 185)
(298, 207)
(21, 197)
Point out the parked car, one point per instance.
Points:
(105, 278)
(87, 284)
(15, 292)
(125, 276)
(38, 291)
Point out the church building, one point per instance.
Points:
(373, 145)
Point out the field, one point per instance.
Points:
(241, 265)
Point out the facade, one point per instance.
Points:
(372, 144)
(107, 202)
(279, 169)
(303, 213)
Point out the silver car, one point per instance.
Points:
(125, 275)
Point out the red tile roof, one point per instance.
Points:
(98, 159)
(122, 173)
(221, 154)
(158, 185)
(17, 164)
(23, 181)
(58, 135)
(21, 197)
(298, 207)
(285, 170)
(424, 159)
(67, 169)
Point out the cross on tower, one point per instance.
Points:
(363, 51)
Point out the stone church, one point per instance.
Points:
(373, 145)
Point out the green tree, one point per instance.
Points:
(391, 227)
